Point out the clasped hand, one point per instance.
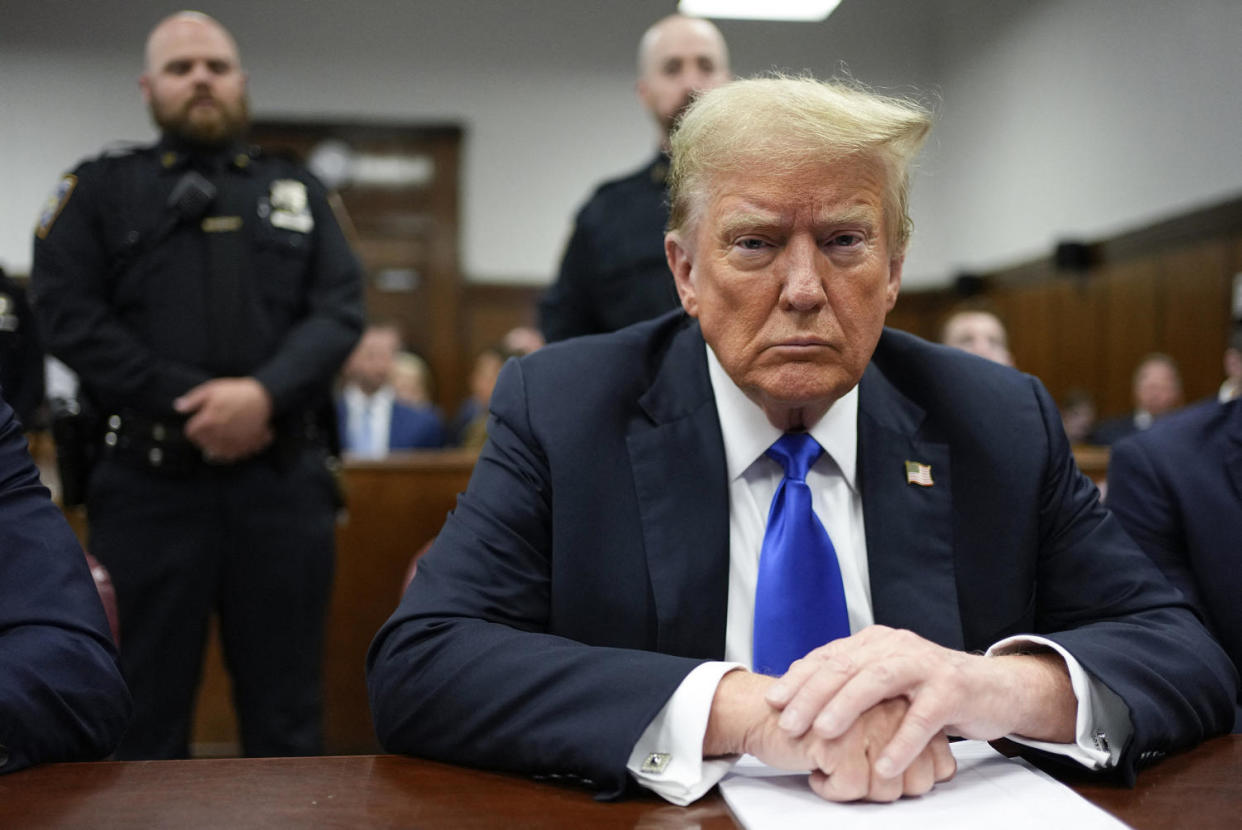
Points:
(869, 714)
(230, 418)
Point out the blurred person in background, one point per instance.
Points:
(613, 272)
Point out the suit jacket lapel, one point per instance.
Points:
(678, 463)
(909, 527)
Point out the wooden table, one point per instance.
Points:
(1201, 789)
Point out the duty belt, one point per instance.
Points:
(142, 441)
(157, 444)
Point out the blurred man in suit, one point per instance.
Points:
(1232, 386)
(1157, 391)
(613, 272)
(1177, 489)
(978, 331)
(768, 525)
(61, 693)
(372, 421)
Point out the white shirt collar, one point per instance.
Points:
(748, 433)
(359, 401)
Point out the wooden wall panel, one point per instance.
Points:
(1129, 331)
(1029, 313)
(921, 312)
(1077, 335)
(490, 311)
(1194, 313)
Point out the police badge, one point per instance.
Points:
(55, 203)
(290, 206)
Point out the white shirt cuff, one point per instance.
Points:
(1102, 726)
(668, 758)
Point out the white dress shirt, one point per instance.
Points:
(668, 756)
(373, 410)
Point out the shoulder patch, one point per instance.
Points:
(55, 204)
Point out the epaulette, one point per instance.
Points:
(121, 149)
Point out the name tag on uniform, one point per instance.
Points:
(220, 224)
(290, 206)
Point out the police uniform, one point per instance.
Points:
(156, 269)
(21, 357)
(614, 272)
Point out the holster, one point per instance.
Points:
(75, 433)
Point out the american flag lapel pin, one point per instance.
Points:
(919, 474)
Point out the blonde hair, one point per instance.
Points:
(782, 124)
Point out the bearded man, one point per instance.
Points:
(205, 296)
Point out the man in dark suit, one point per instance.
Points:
(595, 603)
(61, 693)
(1157, 391)
(371, 420)
(1177, 489)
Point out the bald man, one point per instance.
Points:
(205, 295)
(614, 272)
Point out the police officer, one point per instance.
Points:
(205, 296)
(614, 271)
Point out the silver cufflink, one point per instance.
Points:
(656, 762)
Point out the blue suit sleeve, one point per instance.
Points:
(470, 670)
(1120, 617)
(61, 693)
(1141, 502)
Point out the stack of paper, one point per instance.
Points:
(989, 791)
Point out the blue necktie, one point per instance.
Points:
(362, 431)
(799, 598)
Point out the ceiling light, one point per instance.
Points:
(762, 10)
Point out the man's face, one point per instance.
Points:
(979, 332)
(682, 58)
(790, 276)
(370, 365)
(1157, 388)
(193, 83)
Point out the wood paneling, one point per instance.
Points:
(490, 311)
(1164, 288)
(1129, 327)
(1194, 324)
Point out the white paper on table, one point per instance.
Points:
(988, 791)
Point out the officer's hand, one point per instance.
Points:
(948, 691)
(230, 418)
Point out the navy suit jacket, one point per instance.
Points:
(1177, 489)
(584, 571)
(408, 428)
(61, 693)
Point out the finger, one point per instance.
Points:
(781, 692)
(944, 764)
(920, 776)
(192, 399)
(877, 678)
(922, 724)
(784, 689)
(850, 780)
(823, 679)
(883, 789)
(197, 428)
